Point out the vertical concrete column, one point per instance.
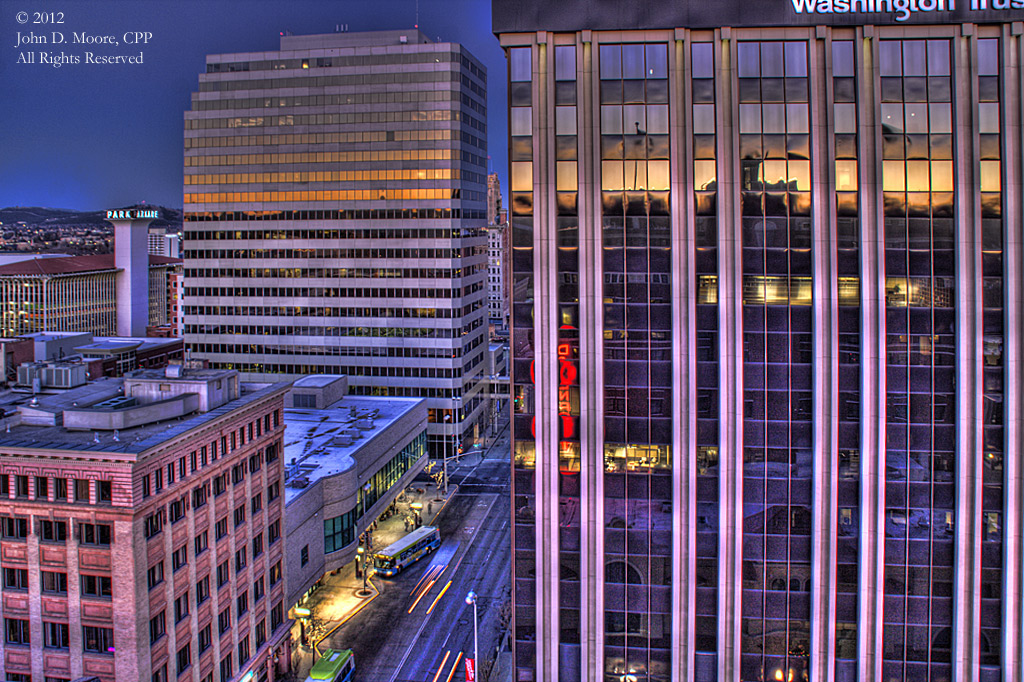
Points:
(588, 121)
(131, 653)
(74, 594)
(826, 366)
(545, 325)
(730, 367)
(1013, 346)
(969, 384)
(872, 353)
(684, 369)
(35, 602)
(131, 257)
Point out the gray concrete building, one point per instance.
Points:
(335, 213)
(345, 464)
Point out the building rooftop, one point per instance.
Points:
(73, 264)
(354, 39)
(316, 445)
(129, 441)
(317, 380)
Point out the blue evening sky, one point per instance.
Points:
(90, 136)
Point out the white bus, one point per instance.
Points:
(392, 559)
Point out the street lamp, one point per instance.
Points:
(361, 558)
(471, 599)
(457, 424)
(447, 418)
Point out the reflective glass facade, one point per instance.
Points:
(766, 320)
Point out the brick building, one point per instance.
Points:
(140, 530)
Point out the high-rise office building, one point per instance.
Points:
(767, 339)
(335, 206)
(493, 198)
(497, 277)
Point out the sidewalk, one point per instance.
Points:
(338, 598)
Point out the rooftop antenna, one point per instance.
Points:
(417, 25)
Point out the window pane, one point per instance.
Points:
(938, 57)
(796, 60)
(565, 176)
(611, 119)
(988, 117)
(940, 118)
(990, 176)
(704, 173)
(657, 175)
(703, 60)
(749, 57)
(519, 63)
(797, 118)
(846, 175)
(842, 58)
(611, 67)
(565, 120)
(657, 119)
(704, 118)
(750, 118)
(893, 178)
(657, 61)
(522, 176)
(565, 62)
(846, 118)
(632, 61)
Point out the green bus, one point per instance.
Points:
(335, 665)
(392, 559)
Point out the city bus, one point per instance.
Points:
(336, 665)
(392, 559)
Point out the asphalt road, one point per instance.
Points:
(394, 638)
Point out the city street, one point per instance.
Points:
(420, 627)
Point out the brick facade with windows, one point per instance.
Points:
(107, 543)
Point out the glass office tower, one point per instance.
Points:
(767, 340)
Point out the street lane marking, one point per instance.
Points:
(438, 598)
(425, 590)
(426, 576)
(437, 675)
(454, 667)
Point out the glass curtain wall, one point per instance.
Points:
(774, 118)
(917, 184)
(637, 360)
(524, 446)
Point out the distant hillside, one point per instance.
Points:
(56, 217)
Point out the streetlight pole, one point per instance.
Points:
(361, 557)
(471, 599)
(444, 457)
(456, 426)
